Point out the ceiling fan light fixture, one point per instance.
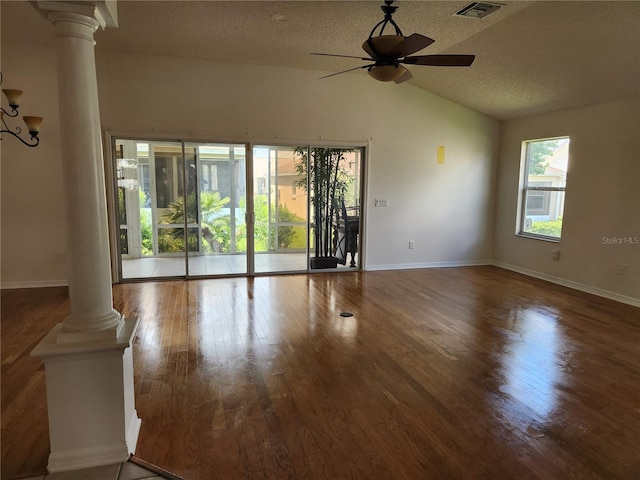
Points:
(387, 73)
(389, 53)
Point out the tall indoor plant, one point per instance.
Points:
(324, 175)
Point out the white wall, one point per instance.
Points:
(446, 209)
(602, 200)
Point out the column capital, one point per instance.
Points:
(105, 12)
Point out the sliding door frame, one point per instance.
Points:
(112, 199)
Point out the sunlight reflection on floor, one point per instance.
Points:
(531, 363)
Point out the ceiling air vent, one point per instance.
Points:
(477, 9)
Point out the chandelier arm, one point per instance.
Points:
(16, 134)
(5, 127)
(32, 122)
(13, 113)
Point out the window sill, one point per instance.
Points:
(538, 237)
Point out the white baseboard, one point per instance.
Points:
(133, 431)
(571, 284)
(34, 284)
(87, 458)
(411, 266)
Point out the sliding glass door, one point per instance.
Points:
(307, 207)
(217, 180)
(180, 208)
(150, 182)
(280, 205)
(188, 209)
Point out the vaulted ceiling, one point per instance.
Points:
(531, 57)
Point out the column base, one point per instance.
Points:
(95, 331)
(90, 398)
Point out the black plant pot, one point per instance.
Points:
(323, 262)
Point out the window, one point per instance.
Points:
(538, 200)
(208, 176)
(543, 187)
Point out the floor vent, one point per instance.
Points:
(477, 10)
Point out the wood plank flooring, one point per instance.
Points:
(475, 373)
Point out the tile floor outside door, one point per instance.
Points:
(221, 264)
(119, 471)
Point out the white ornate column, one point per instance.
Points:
(87, 357)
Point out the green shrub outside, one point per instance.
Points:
(216, 229)
(550, 229)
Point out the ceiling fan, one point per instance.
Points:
(389, 53)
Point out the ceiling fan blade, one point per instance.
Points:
(411, 44)
(349, 70)
(404, 77)
(341, 56)
(440, 60)
(367, 46)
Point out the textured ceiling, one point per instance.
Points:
(531, 57)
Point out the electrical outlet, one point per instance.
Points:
(411, 244)
(555, 254)
(622, 269)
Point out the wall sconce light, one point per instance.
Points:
(33, 123)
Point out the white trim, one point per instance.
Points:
(233, 139)
(34, 284)
(408, 266)
(55, 347)
(536, 236)
(411, 266)
(133, 431)
(571, 284)
(88, 457)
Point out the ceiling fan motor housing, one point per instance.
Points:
(384, 48)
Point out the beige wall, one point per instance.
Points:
(32, 205)
(602, 200)
(446, 209)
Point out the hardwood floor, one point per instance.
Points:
(475, 373)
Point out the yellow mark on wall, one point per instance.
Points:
(441, 154)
